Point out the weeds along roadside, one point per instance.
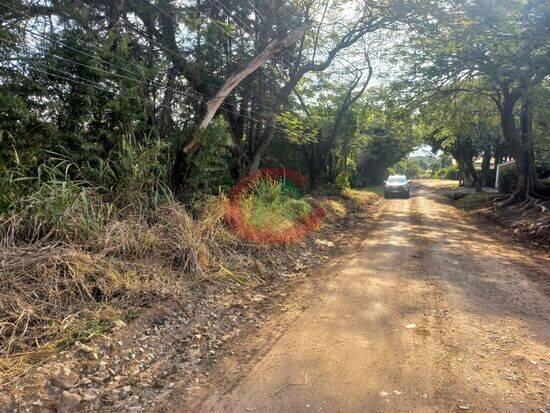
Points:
(83, 247)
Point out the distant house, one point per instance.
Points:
(501, 167)
(479, 161)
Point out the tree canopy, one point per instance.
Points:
(339, 89)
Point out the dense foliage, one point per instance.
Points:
(113, 94)
(124, 124)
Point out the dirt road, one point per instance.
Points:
(431, 314)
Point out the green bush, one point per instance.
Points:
(342, 181)
(61, 200)
(507, 180)
(298, 207)
(450, 172)
(50, 204)
(269, 206)
(142, 176)
(209, 170)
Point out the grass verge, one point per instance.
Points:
(271, 205)
(475, 200)
(75, 262)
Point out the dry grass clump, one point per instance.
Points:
(51, 296)
(337, 206)
(173, 238)
(57, 210)
(363, 197)
(129, 238)
(54, 292)
(179, 240)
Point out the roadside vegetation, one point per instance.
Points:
(272, 205)
(527, 225)
(75, 262)
(124, 126)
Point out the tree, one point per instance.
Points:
(504, 47)
(214, 103)
(333, 121)
(386, 135)
(463, 126)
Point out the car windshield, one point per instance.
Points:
(397, 180)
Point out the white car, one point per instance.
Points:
(397, 185)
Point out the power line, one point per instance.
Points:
(70, 80)
(82, 81)
(118, 67)
(33, 33)
(94, 84)
(175, 21)
(75, 79)
(70, 77)
(255, 9)
(228, 34)
(275, 13)
(179, 55)
(234, 18)
(212, 21)
(89, 82)
(153, 41)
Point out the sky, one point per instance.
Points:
(423, 150)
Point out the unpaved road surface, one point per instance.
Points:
(432, 313)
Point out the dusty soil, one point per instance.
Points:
(176, 342)
(529, 225)
(432, 313)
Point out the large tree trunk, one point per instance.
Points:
(486, 167)
(167, 125)
(520, 145)
(524, 153)
(476, 180)
(498, 155)
(331, 167)
(180, 166)
(269, 132)
(314, 163)
(259, 149)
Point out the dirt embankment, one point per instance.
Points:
(129, 367)
(526, 223)
(433, 313)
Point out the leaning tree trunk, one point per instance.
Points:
(190, 147)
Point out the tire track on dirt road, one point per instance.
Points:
(432, 314)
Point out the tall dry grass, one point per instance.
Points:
(172, 237)
(53, 295)
(50, 292)
(74, 257)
